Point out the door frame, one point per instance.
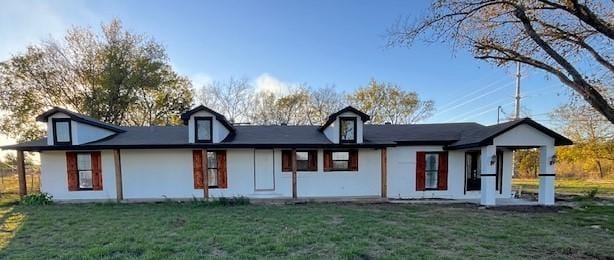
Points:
(465, 176)
(273, 172)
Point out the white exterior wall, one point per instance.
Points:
(401, 180)
(160, 174)
(364, 182)
(219, 131)
(80, 133)
(54, 178)
(332, 131)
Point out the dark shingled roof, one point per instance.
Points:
(79, 118)
(450, 135)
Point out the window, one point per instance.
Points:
(203, 129)
(341, 160)
(431, 170)
(347, 129)
(61, 131)
(305, 160)
(84, 171)
(212, 169)
(302, 161)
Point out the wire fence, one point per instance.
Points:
(9, 181)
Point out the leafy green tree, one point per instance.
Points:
(386, 102)
(116, 76)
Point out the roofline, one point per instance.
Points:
(78, 118)
(559, 140)
(185, 117)
(332, 117)
(188, 146)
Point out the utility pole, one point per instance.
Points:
(517, 108)
(499, 108)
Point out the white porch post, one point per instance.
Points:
(488, 176)
(546, 176)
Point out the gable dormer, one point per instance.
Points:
(206, 125)
(65, 127)
(345, 126)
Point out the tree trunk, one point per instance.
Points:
(600, 168)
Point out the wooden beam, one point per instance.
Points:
(294, 196)
(384, 166)
(21, 174)
(119, 187)
(205, 175)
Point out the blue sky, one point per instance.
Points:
(279, 44)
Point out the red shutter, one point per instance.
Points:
(222, 177)
(420, 170)
(197, 161)
(71, 169)
(96, 171)
(286, 161)
(313, 160)
(353, 160)
(328, 160)
(442, 174)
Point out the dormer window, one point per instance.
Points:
(347, 129)
(203, 129)
(61, 131)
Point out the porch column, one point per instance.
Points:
(488, 176)
(119, 187)
(546, 176)
(294, 195)
(205, 175)
(384, 166)
(21, 174)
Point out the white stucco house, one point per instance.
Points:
(85, 159)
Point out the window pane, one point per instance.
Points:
(340, 164)
(341, 156)
(85, 179)
(212, 177)
(211, 160)
(203, 129)
(62, 133)
(302, 165)
(432, 161)
(302, 156)
(347, 130)
(84, 161)
(431, 180)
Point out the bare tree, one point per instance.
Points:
(233, 98)
(324, 101)
(569, 39)
(386, 102)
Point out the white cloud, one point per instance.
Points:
(269, 83)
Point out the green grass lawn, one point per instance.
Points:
(191, 230)
(574, 187)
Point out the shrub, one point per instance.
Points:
(224, 201)
(37, 199)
